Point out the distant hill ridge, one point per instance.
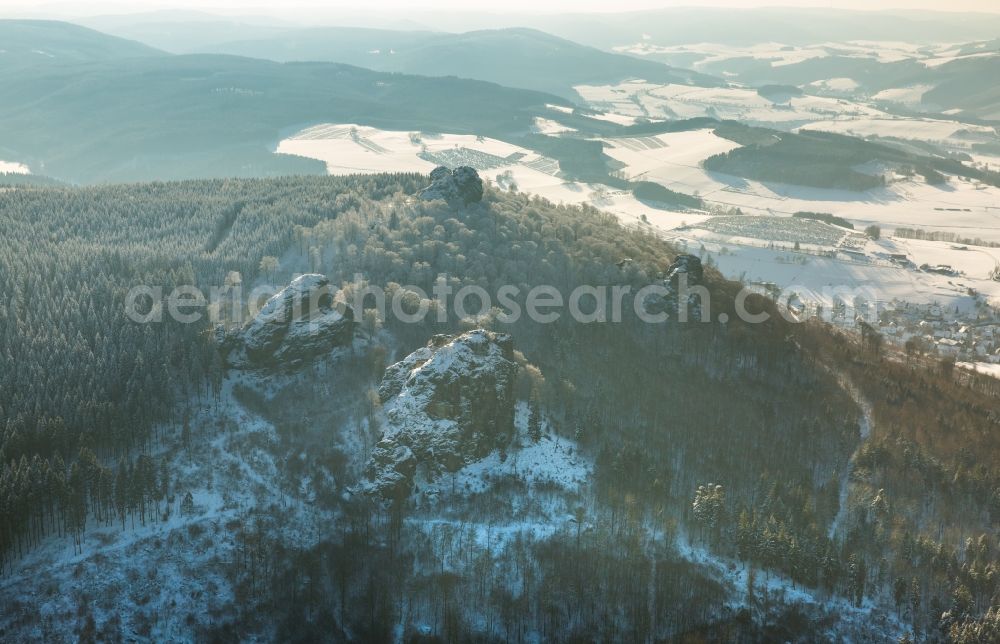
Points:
(50, 41)
(515, 57)
(98, 108)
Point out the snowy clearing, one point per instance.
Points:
(950, 57)
(912, 95)
(548, 126)
(660, 158)
(836, 84)
(902, 128)
(544, 482)
(13, 168)
(553, 461)
(982, 367)
(353, 149)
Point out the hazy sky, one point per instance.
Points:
(92, 7)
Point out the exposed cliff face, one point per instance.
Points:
(689, 265)
(296, 325)
(459, 187)
(687, 272)
(447, 404)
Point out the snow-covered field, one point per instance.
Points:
(977, 262)
(666, 158)
(640, 99)
(898, 127)
(703, 56)
(966, 208)
(952, 55)
(781, 231)
(762, 250)
(614, 117)
(548, 126)
(912, 95)
(746, 63)
(815, 278)
(352, 149)
(766, 245)
(838, 84)
(13, 168)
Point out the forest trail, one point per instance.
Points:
(224, 227)
(865, 427)
(771, 587)
(865, 424)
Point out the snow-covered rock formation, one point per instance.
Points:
(447, 404)
(296, 325)
(689, 265)
(459, 187)
(684, 273)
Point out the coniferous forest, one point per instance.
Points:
(717, 450)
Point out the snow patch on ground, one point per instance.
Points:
(949, 57)
(10, 167)
(548, 126)
(836, 84)
(912, 95)
(777, 588)
(865, 424)
(552, 461)
(542, 481)
(982, 367)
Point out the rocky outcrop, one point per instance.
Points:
(391, 470)
(459, 187)
(685, 265)
(447, 404)
(298, 324)
(687, 271)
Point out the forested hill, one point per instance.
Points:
(46, 42)
(125, 117)
(969, 84)
(119, 438)
(524, 58)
